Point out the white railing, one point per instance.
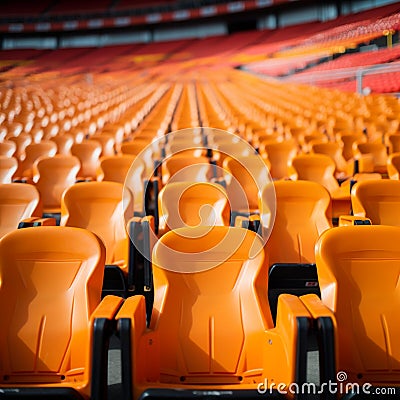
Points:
(357, 73)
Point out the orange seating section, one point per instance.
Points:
(155, 175)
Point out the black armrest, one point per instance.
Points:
(292, 278)
(152, 189)
(37, 221)
(140, 274)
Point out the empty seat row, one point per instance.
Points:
(210, 297)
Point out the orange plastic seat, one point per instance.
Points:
(280, 154)
(320, 168)
(101, 208)
(64, 143)
(377, 152)
(191, 204)
(180, 168)
(303, 212)
(21, 142)
(54, 329)
(378, 200)
(394, 143)
(189, 144)
(222, 150)
(7, 148)
(14, 129)
(145, 150)
(17, 202)
(349, 141)
(88, 153)
(54, 175)
(335, 151)
(115, 168)
(211, 329)
(8, 166)
(245, 177)
(358, 269)
(107, 143)
(393, 166)
(32, 152)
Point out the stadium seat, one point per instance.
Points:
(181, 167)
(32, 153)
(394, 143)
(320, 168)
(18, 201)
(191, 204)
(146, 153)
(88, 152)
(343, 169)
(7, 148)
(303, 212)
(103, 208)
(245, 176)
(8, 166)
(363, 303)
(378, 153)
(115, 168)
(348, 140)
(21, 142)
(54, 175)
(280, 154)
(216, 274)
(46, 273)
(393, 166)
(64, 143)
(107, 143)
(378, 200)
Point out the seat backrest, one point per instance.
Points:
(182, 168)
(88, 153)
(378, 152)
(229, 149)
(302, 213)
(55, 174)
(7, 148)
(100, 207)
(17, 201)
(280, 154)
(210, 296)
(8, 166)
(358, 269)
(318, 168)
(393, 166)
(107, 143)
(333, 150)
(115, 168)
(193, 203)
(14, 129)
(378, 200)
(64, 143)
(348, 141)
(245, 177)
(394, 142)
(144, 149)
(182, 143)
(51, 279)
(21, 141)
(33, 151)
